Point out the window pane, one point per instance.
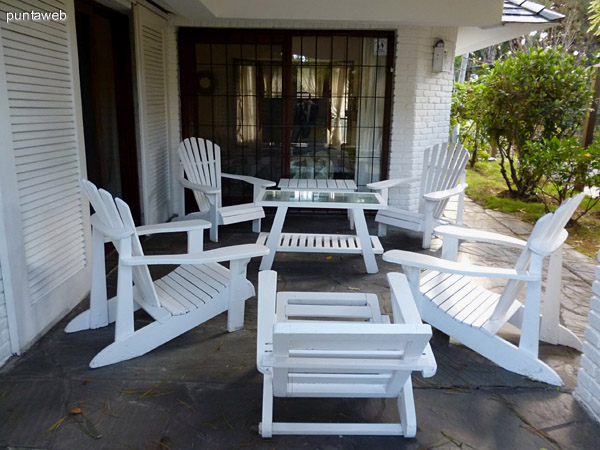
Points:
(218, 53)
(324, 50)
(309, 49)
(202, 53)
(339, 49)
(355, 50)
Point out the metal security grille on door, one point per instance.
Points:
(289, 104)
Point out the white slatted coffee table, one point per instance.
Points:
(329, 185)
(356, 202)
(302, 184)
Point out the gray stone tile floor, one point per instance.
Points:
(202, 389)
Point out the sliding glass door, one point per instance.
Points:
(289, 104)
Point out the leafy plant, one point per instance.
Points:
(528, 97)
(564, 167)
(594, 17)
(465, 114)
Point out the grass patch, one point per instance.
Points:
(486, 188)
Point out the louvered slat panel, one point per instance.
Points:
(41, 101)
(153, 111)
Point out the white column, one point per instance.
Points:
(588, 381)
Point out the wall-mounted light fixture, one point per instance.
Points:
(439, 56)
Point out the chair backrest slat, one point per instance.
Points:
(201, 160)
(427, 174)
(443, 167)
(327, 352)
(546, 236)
(115, 214)
(368, 340)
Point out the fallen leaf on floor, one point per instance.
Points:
(187, 405)
(329, 257)
(106, 410)
(51, 429)
(219, 345)
(226, 420)
(86, 381)
(85, 425)
(350, 288)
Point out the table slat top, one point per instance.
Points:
(321, 184)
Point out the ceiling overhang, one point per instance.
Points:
(417, 12)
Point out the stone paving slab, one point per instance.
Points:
(202, 390)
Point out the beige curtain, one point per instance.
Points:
(273, 82)
(370, 118)
(339, 105)
(247, 117)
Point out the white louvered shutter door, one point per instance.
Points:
(5, 350)
(44, 215)
(153, 119)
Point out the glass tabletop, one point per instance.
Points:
(304, 197)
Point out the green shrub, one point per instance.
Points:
(564, 167)
(531, 96)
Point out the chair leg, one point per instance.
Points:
(382, 229)
(214, 220)
(406, 409)
(237, 299)
(214, 232)
(265, 428)
(256, 225)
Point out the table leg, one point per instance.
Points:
(365, 240)
(274, 237)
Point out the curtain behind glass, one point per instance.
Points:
(247, 118)
(370, 116)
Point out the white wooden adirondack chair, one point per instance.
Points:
(316, 344)
(443, 168)
(198, 290)
(449, 299)
(201, 160)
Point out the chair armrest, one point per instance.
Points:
(386, 184)
(443, 265)
(267, 296)
(173, 227)
(199, 187)
(442, 195)
(232, 253)
(403, 304)
(252, 180)
(428, 356)
(471, 234)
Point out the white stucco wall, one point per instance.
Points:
(588, 380)
(421, 98)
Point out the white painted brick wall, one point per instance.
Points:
(588, 381)
(421, 98)
(4, 335)
(421, 108)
